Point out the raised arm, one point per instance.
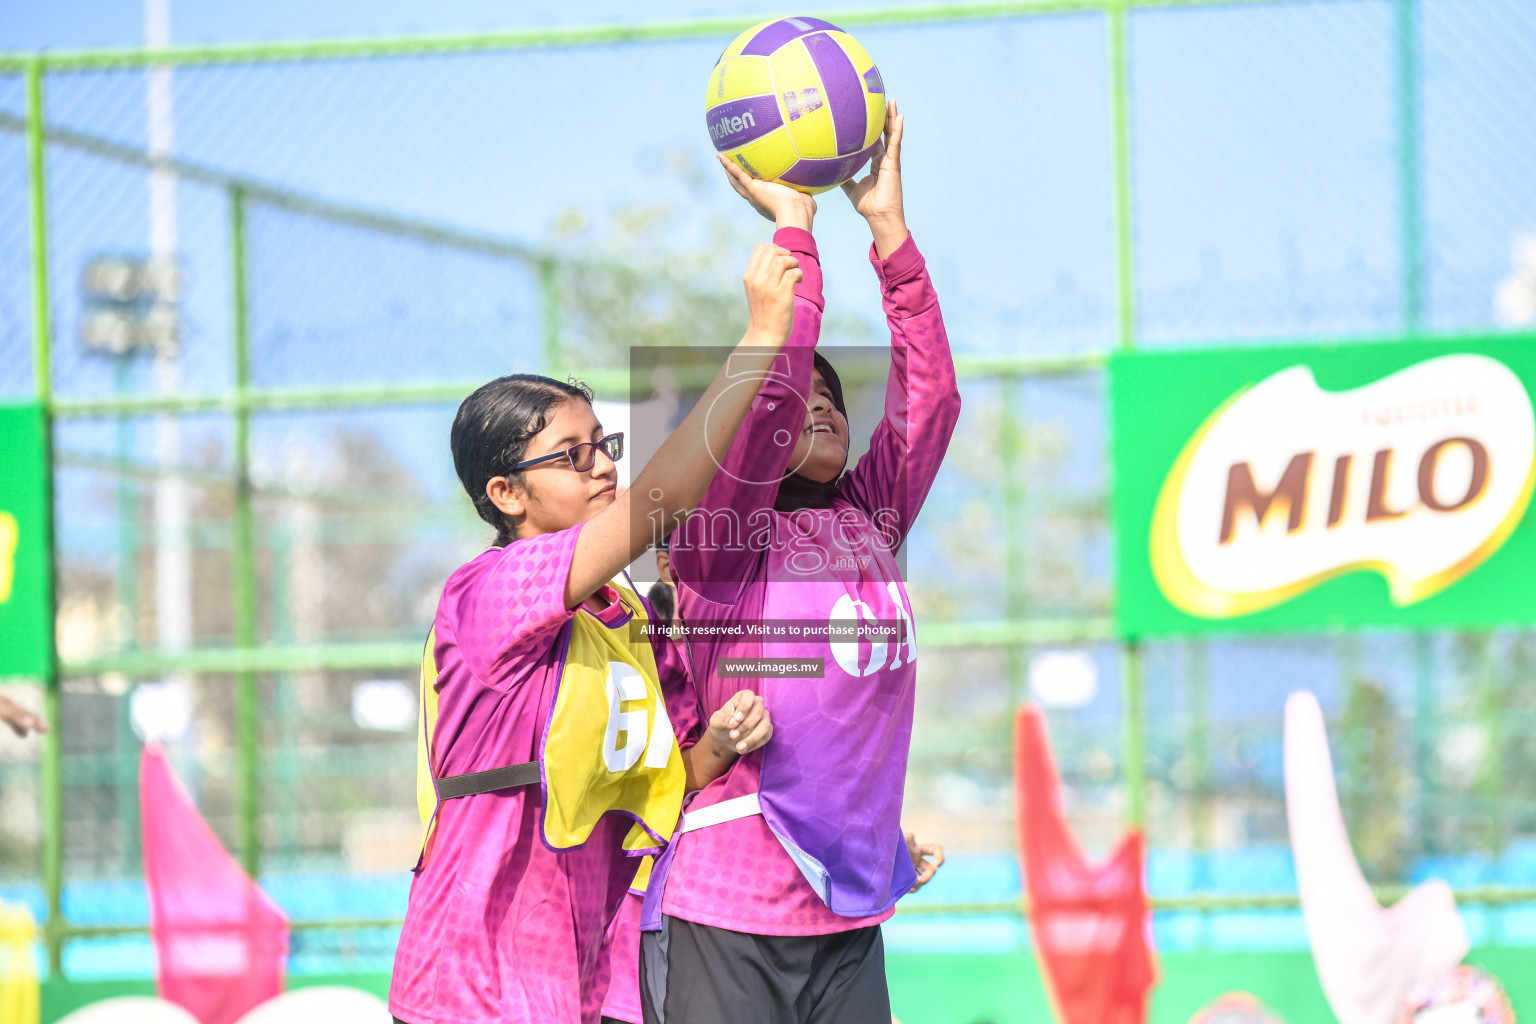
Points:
(710, 552)
(674, 480)
(922, 398)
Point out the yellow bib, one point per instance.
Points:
(19, 991)
(607, 744)
(642, 875)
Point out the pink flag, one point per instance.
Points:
(220, 942)
(1091, 923)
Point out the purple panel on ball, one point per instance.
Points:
(845, 91)
(742, 121)
(773, 36)
(872, 81)
(826, 173)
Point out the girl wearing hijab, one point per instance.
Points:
(622, 1005)
(767, 905)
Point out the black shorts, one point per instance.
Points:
(695, 974)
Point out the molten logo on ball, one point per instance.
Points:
(728, 126)
(1419, 476)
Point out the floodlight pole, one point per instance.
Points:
(173, 554)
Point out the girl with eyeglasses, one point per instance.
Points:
(557, 735)
(767, 905)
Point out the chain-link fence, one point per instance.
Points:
(251, 532)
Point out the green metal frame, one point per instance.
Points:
(244, 548)
(1410, 198)
(42, 375)
(246, 661)
(577, 36)
(1133, 723)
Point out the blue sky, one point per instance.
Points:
(1266, 202)
(1264, 144)
(118, 23)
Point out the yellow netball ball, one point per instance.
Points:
(797, 101)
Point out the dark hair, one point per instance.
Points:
(664, 600)
(491, 433)
(795, 491)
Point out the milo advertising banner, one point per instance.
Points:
(26, 607)
(1273, 489)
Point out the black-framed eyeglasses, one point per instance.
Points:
(583, 456)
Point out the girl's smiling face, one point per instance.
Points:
(554, 496)
(821, 449)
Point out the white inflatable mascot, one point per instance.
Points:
(1367, 957)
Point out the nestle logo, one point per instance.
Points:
(728, 126)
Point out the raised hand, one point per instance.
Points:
(877, 195)
(779, 203)
(770, 280)
(20, 719)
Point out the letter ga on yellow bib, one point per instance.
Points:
(607, 743)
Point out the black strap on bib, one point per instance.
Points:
(511, 777)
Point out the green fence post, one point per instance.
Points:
(1405, 45)
(1492, 710)
(1197, 741)
(243, 551)
(1125, 308)
(1425, 699)
(1197, 690)
(549, 295)
(1120, 114)
(125, 783)
(1015, 593)
(1134, 735)
(280, 550)
(127, 518)
(52, 777)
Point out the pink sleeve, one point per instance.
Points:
(710, 550)
(922, 400)
(677, 687)
(506, 608)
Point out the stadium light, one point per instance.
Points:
(131, 304)
(160, 711)
(384, 705)
(1063, 679)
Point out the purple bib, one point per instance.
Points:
(832, 777)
